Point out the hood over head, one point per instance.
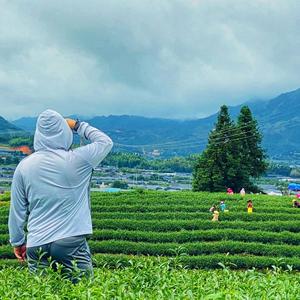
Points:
(52, 132)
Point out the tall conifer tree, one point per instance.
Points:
(233, 155)
(215, 167)
(253, 156)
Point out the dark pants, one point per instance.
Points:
(72, 253)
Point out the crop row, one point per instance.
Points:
(176, 225)
(175, 197)
(188, 216)
(198, 205)
(201, 200)
(179, 205)
(214, 261)
(201, 262)
(186, 198)
(191, 236)
(147, 202)
(191, 196)
(196, 248)
(195, 216)
(197, 236)
(183, 209)
(186, 208)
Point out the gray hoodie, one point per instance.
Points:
(50, 188)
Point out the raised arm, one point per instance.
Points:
(100, 145)
(18, 216)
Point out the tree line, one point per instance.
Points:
(135, 160)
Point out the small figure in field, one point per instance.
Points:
(222, 206)
(249, 206)
(229, 191)
(296, 204)
(213, 208)
(215, 216)
(242, 192)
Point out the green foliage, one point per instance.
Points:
(195, 248)
(283, 187)
(279, 169)
(21, 141)
(233, 155)
(174, 164)
(134, 160)
(119, 184)
(127, 277)
(5, 196)
(184, 236)
(253, 156)
(123, 159)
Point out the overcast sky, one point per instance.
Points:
(163, 58)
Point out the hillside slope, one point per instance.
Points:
(278, 118)
(9, 130)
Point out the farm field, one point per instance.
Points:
(163, 245)
(179, 224)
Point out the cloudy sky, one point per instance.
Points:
(163, 58)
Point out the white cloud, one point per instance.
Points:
(156, 58)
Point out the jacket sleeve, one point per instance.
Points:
(97, 150)
(18, 211)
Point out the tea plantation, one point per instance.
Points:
(153, 242)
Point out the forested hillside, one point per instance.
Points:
(278, 119)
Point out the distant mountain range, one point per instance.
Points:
(9, 130)
(278, 118)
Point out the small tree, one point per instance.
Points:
(120, 184)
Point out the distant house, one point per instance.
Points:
(24, 149)
(17, 151)
(155, 153)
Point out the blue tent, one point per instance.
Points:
(294, 187)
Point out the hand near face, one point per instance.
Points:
(71, 123)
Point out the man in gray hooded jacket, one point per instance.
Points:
(50, 191)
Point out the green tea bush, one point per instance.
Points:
(191, 216)
(148, 278)
(176, 225)
(155, 223)
(185, 236)
(196, 248)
